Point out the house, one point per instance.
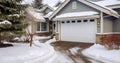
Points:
(38, 20)
(86, 20)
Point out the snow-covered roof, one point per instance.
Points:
(51, 2)
(45, 7)
(38, 16)
(75, 14)
(27, 2)
(48, 15)
(107, 2)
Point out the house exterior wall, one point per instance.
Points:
(111, 31)
(116, 23)
(107, 25)
(80, 8)
(109, 38)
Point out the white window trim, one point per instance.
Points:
(41, 28)
(74, 5)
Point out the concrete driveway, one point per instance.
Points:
(73, 51)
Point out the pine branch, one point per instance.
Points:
(8, 8)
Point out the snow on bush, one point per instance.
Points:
(111, 41)
(5, 22)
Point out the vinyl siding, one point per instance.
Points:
(108, 25)
(80, 8)
(116, 23)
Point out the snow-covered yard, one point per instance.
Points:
(100, 53)
(23, 53)
(38, 53)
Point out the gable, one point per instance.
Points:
(80, 8)
(88, 3)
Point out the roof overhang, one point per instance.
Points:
(93, 5)
(76, 18)
(100, 8)
(114, 6)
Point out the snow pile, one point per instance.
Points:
(50, 41)
(23, 53)
(74, 50)
(75, 14)
(41, 37)
(100, 53)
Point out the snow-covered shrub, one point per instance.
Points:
(111, 41)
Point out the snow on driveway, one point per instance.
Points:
(62, 58)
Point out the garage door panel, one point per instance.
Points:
(79, 32)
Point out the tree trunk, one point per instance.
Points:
(31, 39)
(0, 39)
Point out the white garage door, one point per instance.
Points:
(79, 31)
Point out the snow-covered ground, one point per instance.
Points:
(23, 53)
(100, 53)
(74, 50)
(62, 58)
(38, 53)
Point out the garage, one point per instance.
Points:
(79, 30)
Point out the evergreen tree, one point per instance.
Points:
(37, 4)
(11, 17)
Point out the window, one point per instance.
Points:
(79, 21)
(85, 20)
(67, 21)
(73, 21)
(74, 5)
(92, 20)
(41, 26)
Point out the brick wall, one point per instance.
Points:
(108, 38)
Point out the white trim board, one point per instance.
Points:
(77, 18)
